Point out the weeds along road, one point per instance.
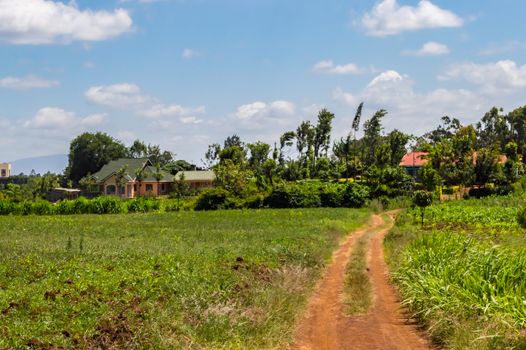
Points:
(325, 325)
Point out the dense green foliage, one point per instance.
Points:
(463, 275)
(98, 205)
(207, 280)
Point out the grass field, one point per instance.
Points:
(464, 273)
(224, 279)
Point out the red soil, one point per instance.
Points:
(326, 327)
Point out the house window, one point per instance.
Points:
(149, 187)
(162, 187)
(110, 189)
(4, 173)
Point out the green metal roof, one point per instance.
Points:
(149, 172)
(114, 166)
(196, 175)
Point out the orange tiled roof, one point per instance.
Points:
(414, 159)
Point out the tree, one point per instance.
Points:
(138, 149)
(372, 136)
(212, 155)
(158, 175)
(139, 177)
(422, 199)
(88, 152)
(322, 136)
(485, 166)
(120, 180)
(430, 177)
(397, 141)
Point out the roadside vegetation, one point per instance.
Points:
(214, 280)
(463, 274)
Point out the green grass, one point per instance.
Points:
(358, 288)
(464, 273)
(217, 280)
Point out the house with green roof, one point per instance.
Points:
(197, 179)
(129, 178)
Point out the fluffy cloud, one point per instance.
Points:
(502, 76)
(27, 83)
(58, 118)
(389, 18)
(329, 67)
(261, 109)
(129, 97)
(430, 49)
(410, 110)
(121, 96)
(47, 22)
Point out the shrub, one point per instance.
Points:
(107, 205)
(213, 199)
(521, 217)
(43, 208)
(143, 205)
(294, 196)
(355, 195)
(7, 207)
(331, 195)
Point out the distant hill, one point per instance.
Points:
(55, 164)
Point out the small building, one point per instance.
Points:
(129, 178)
(197, 179)
(5, 170)
(414, 161)
(58, 194)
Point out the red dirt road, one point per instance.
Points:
(326, 327)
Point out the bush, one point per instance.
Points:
(43, 208)
(480, 192)
(331, 195)
(7, 207)
(107, 205)
(213, 199)
(143, 205)
(355, 195)
(521, 217)
(294, 196)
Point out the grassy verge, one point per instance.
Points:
(464, 279)
(358, 287)
(192, 280)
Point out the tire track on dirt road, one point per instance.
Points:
(384, 327)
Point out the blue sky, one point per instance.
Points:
(187, 73)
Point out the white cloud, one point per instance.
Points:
(160, 110)
(345, 98)
(410, 110)
(189, 53)
(430, 49)
(47, 22)
(260, 109)
(58, 118)
(259, 114)
(502, 76)
(27, 83)
(121, 96)
(190, 120)
(329, 67)
(389, 18)
(127, 96)
(503, 48)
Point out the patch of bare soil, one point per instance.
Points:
(385, 327)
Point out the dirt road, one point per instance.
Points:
(326, 327)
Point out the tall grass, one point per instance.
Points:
(203, 280)
(464, 274)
